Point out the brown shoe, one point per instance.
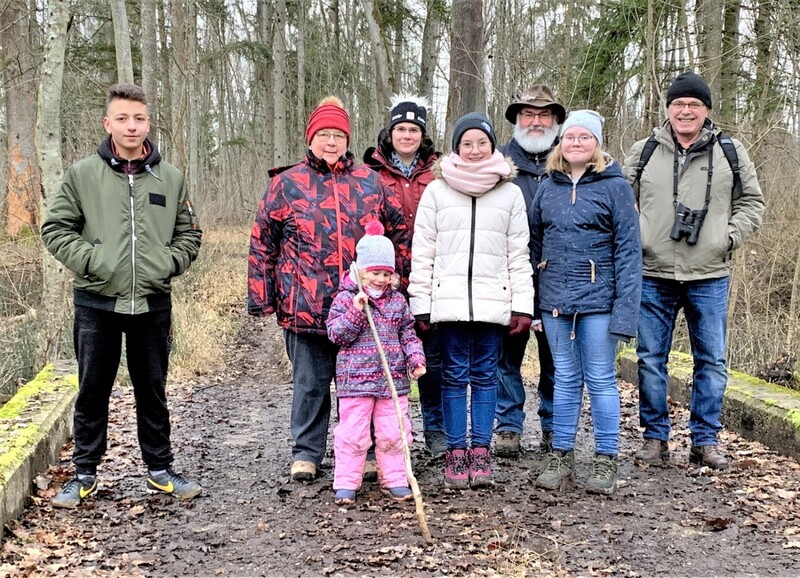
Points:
(506, 444)
(370, 470)
(303, 471)
(653, 451)
(708, 456)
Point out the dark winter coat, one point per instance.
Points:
(589, 252)
(124, 228)
(359, 372)
(408, 189)
(531, 168)
(304, 238)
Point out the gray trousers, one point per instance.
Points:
(313, 360)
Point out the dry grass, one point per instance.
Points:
(208, 302)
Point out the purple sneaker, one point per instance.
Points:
(456, 469)
(480, 467)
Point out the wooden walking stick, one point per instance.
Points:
(412, 480)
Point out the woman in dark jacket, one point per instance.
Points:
(403, 158)
(587, 251)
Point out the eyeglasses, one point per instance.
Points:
(680, 105)
(481, 144)
(528, 115)
(325, 136)
(410, 130)
(582, 139)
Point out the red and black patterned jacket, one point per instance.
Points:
(304, 238)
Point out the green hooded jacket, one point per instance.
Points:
(124, 228)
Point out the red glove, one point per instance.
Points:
(519, 324)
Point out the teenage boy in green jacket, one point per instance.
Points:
(123, 223)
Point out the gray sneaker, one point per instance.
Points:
(435, 443)
(506, 444)
(603, 478)
(559, 473)
(170, 482)
(74, 491)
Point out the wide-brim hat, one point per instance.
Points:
(539, 96)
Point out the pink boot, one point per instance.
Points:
(456, 469)
(480, 467)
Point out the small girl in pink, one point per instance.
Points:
(361, 386)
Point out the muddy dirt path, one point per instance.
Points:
(231, 431)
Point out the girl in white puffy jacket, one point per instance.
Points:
(471, 276)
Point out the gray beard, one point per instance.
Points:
(536, 144)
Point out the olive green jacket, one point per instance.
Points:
(728, 224)
(124, 236)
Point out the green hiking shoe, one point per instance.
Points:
(74, 491)
(170, 482)
(559, 473)
(603, 478)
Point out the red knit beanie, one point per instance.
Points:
(329, 114)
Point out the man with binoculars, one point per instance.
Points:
(699, 200)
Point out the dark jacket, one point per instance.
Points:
(589, 253)
(531, 168)
(124, 228)
(408, 189)
(359, 372)
(304, 238)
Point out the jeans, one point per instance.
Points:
(705, 306)
(97, 336)
(588, 358)
(351, 439)
(430, 384)
(509, 413)
(547, 380)
(313, 360)
(470, 354)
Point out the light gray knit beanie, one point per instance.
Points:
(374, 251)
(588, 119)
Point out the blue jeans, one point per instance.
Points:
(313, 360)
(509, 414)
(705, 306)
(588, 358)
(430, 384)
(470, 353)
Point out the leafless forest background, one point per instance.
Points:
(232, 83)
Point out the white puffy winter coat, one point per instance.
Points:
(470, 257)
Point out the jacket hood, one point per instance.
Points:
(436, 169)
(611, 171)
(118, 164)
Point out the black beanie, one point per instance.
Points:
(408, 111)
(691, 85)
(473, 120)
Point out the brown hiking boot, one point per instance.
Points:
(303, 471)
(708, 456)
(506, 444)
(653, 451)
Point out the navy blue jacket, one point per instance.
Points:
(531, 168)
(589, 253)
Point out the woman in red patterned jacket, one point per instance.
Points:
(404, 158)
(303, 238)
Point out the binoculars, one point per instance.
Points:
(687, 224)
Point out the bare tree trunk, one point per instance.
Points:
(431, 35)
(178, 71)
(165, 102)
(19, 69)
(279, 83)
(729, 72)
(709, 21)
(265, 102)
(149, 47)
(380, 53)
(301, 72)
(466, 92)
(48, 141)
(193, 177)
(122, 41)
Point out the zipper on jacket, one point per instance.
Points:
(338, 226)
(471, 255)
(574, 193)
(133, 245)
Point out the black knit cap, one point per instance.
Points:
(689, 84)
(473, 120)
(408, 111)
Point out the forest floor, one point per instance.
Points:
(231, 433)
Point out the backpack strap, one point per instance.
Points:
(729, 150)
(647, 151)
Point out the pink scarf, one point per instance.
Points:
(474, 179)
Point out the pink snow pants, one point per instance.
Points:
(351, 441)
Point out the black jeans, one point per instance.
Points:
(97, 335)
(313, 360)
